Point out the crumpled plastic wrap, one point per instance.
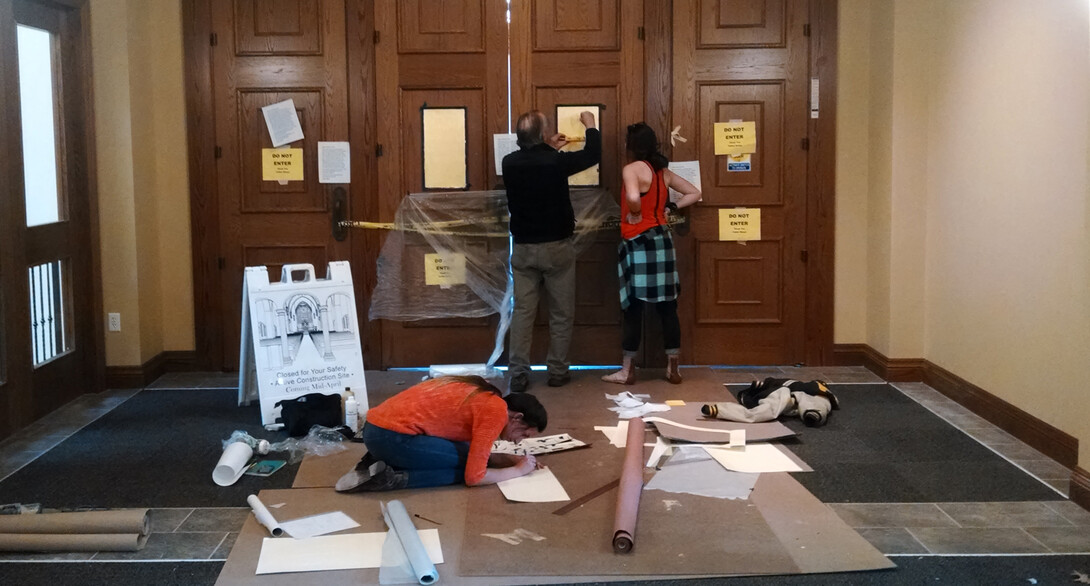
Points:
(473, 224)
(319, 441)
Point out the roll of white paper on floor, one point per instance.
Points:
(232, 463)
(402, 528)
(264, 516)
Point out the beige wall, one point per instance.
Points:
(143, 187)
(976, 196)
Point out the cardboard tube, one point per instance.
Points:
(264, 516)
(119, 521)
(402, 526)
(121, 530)
(628, 493)
(53, 542)
(232, 463)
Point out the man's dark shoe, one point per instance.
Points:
(559, 380)
(519, 383)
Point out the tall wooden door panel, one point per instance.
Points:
(584, 53)
(450, 54)
(266, 53)
(50, 322)
(746, 60)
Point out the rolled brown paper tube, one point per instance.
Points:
(121, 521)
(628, 493)
(71, 542)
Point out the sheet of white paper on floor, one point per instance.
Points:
(316, 525)
(539, 486)
(753, 458)
(616, 434)
(334, 552)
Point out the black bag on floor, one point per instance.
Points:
(301, 413)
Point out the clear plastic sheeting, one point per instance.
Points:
(472, 225)
(319, 441)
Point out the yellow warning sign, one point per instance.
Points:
(445, 269)
(742, 224)
(282, 164)
(735, 138)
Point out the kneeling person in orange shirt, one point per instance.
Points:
(440, 432)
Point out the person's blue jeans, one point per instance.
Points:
(428, 461)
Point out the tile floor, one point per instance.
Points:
(1056, 527)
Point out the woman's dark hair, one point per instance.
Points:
(533, 413)
(644, 145)
(477, 381)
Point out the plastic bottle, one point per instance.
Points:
(351, 411)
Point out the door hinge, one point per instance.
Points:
(213, 40)
(804, 255)
(639, 33)
(806, 30)
(375, 37)
(222, 262)
(378, 150)
(218, 152)
(805, 144)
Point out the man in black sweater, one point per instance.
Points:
(542, 224)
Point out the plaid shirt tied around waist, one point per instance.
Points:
(648, 267)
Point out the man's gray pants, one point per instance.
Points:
(548, 266)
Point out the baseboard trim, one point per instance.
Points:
(892, 370)
(1079, 490)
(136, 377)
(1050, 441)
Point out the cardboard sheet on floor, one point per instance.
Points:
(323, 471)
(806, 535)
(446, 505)
(745, 539)
(580, 541)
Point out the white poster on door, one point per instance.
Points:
(300, 335)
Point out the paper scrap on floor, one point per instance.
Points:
(540, 486)
(334, 552)
(616, 434)
(537, 445)
(754, 458)
(630, 405)
(316, 525)
(691, 470)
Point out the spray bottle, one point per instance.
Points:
(351, 411)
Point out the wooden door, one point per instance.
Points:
(584, 52)
(449, 54)
(264, 52)
(50, 321)
(744, 60)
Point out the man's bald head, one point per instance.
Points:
(530, 129)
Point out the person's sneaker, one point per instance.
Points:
(366, 468)
(382, 480)
(519, 383)
(559, 380)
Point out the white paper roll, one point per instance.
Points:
(232, 463)
(402, 526)
(264, 516)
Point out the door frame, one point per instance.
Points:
(658, 89)
(20, 411)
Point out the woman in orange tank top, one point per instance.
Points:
(647, 263)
